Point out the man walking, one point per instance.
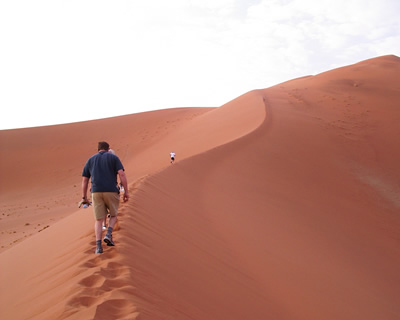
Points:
(103, 168)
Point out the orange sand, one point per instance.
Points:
(282, 204)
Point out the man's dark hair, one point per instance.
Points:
(103, 146)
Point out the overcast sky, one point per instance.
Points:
(73, 60)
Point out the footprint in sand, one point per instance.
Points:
(114, 270)
(95, 280)
(92, 263)
(108, 279)
(118, 308)
(109, 252)
(81, 301)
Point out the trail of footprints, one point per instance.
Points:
(107, 289)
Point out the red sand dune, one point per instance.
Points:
(283, 204)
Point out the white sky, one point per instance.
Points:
(73, 60)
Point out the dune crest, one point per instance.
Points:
(283, 204)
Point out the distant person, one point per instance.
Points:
(172, 154)
(103, 168)
(104, 223)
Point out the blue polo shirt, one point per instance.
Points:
(103, 168)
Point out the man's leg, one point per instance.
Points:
(98, 226)
(113, 204)
(105, 223)
(108, 237)
(99, 211)
(112, 221)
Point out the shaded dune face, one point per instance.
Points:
(282, 204)
(296, 220)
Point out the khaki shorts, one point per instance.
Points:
(105, 203)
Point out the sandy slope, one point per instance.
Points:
(284, 204)
(40, 173)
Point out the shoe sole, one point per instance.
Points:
(109, 243)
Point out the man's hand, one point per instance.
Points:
(124, 182)
(126, 196)
(84, 202)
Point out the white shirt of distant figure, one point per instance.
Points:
(172, 154)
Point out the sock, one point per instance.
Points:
(98, 243)
(109, 231)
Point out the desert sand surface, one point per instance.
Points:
(282, 204)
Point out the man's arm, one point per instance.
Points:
(124, 181)
(85, 184)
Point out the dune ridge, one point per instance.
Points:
(318, 243)
(283, 204)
